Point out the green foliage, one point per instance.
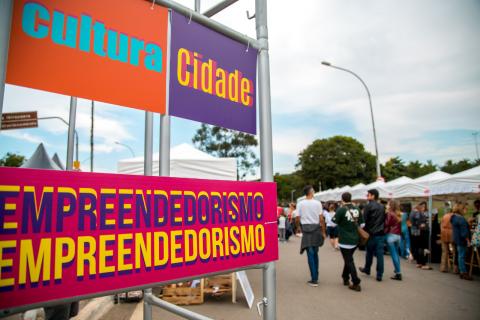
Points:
(336, 161)
(286, 183)
(393, 168)
(223, 142)
(12, 160)
(459, 166)
(417, 169)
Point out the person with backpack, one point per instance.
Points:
(348, 218)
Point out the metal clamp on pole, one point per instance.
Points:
(263, 302)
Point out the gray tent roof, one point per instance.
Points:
(41, 160)
(57, 161)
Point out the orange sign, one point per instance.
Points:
(109, 50)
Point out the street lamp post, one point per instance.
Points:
(328, 64)
(293, 191)
(76, 133)
(126, 146)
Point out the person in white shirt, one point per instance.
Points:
(282, 227)
(332, 229)
(313, 228)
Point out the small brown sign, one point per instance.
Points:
(19, 120)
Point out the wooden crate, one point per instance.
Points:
(183, 294)
(222, 284)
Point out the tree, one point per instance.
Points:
(417, 169)
(394, 168)
(223, 142)
(12, 160)
(286, 183)
(459, 166)
(336, 161)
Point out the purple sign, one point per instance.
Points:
(212, 77)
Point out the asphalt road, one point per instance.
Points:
(421, 295)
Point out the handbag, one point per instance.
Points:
(363, 235)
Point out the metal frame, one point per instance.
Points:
(218, 7)
(265, 135)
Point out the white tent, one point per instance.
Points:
(361, 193)
(387, 190)
(465, 182)
(186, 162)
(417, 188)
(41, 160)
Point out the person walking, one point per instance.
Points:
(332, 230)
(419, 221)
(374, 216)
(405, 244)
(461, 237)
(282, 226)
(446, 239)
(393, 230)
(313, 230)
(348, 218)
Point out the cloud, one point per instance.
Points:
(24, 136)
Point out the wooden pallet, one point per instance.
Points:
(222, 284)
(183, 294)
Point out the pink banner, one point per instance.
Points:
(75, 234)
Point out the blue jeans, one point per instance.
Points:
(461, 252)
(405, 244)
(375, 248)
(393, 243)
(312, 256)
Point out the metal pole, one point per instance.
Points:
(6, 9)
(430, 203)
(71, 132)
(148, 154)
(328, 64)
(218, 7)
(182, 312)
(91, 137)
(293, 191)
(266, 168)
(197, 5)
(163, 169)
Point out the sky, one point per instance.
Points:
(420, 60)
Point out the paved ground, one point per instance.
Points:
(422, 294)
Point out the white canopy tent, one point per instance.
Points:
(416, 188)
(465, 182)
(186, 162)
(361, 193)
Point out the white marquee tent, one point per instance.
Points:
(186, 162)
(465, 182)
(436, 184)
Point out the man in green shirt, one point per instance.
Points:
(348, 218)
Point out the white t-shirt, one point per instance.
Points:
(328, 218)
(281, 222)
(309, 211)
(295, 213)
